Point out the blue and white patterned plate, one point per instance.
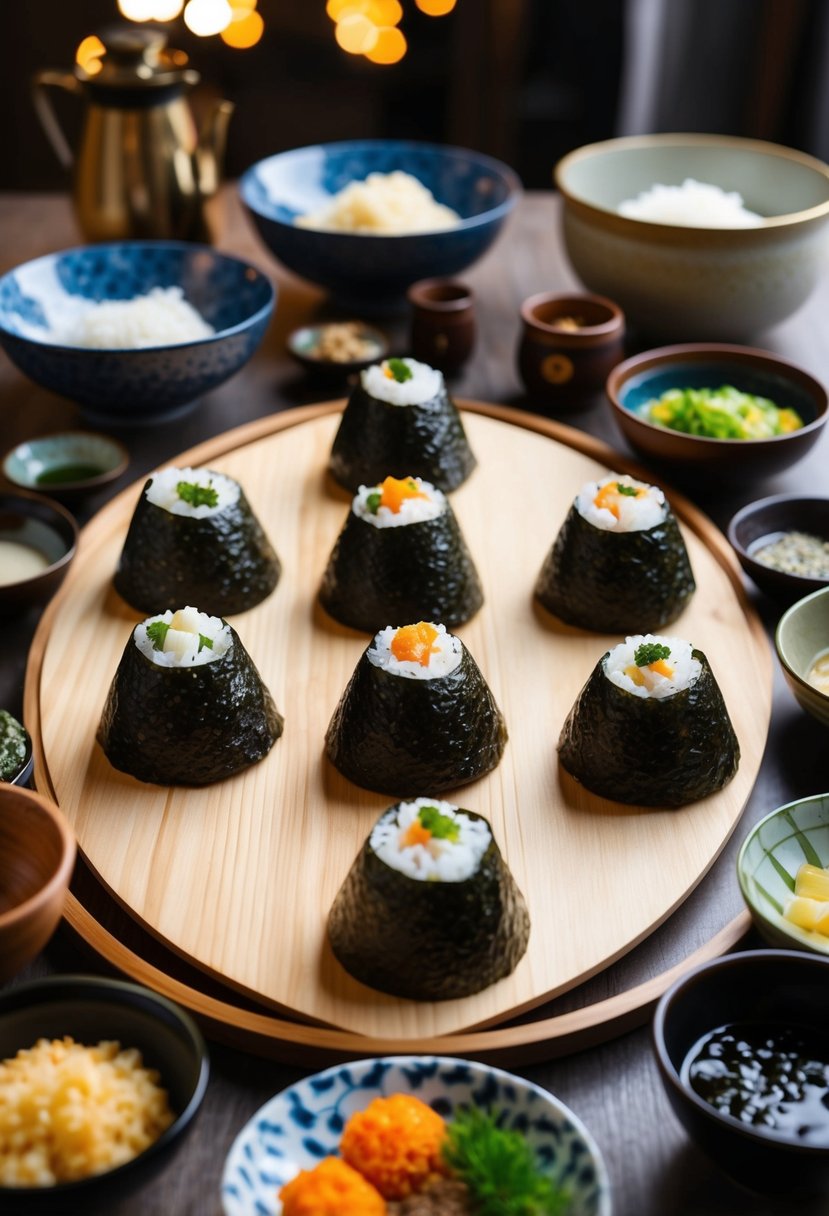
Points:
(303, 1124)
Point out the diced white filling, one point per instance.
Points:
(192, 638)
(439, 858)
(444, 658)
(423, 384)
(163, 491)
(680, 669)
(412, 510)
(634, 508)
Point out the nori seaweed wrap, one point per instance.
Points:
(650, 750)
(401, 925)
(424, 438)
(383, 569)
(207, 548)
(615, 581)
(193, 721)
(397, 733)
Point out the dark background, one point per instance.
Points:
(525, 80)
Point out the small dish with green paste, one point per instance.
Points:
(16, 758)
(702, 407)
(67, 466)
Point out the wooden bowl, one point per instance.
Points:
(37, 853)
(711, 365)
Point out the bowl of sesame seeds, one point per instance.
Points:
(782, 543)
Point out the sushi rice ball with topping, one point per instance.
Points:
(193, 536)
(400, 420)
(400, 556)
(650, 727)
(429, 909)
(186, 705)
(417, 713)
(619, 561)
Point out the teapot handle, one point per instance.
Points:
(45, 112)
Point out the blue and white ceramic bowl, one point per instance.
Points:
(133, 386)
(367, 271)
(304, 1123)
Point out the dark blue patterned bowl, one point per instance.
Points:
(304, 1123)
(368, 272)
(133, 386)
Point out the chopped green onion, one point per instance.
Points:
(650, 652)
(205, 642)
(628, 491)
(442, 827)
(196, 495)
(399, 370)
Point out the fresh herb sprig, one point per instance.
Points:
(442, 827)
(196, 495)
(400, 370)
(499, 1168)
(650, 652)
(628, 491)
(157, 632)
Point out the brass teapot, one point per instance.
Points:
(142, 168)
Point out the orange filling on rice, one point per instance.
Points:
(609, 496)
(414, 643)
(394, 491)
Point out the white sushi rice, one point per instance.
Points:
(442, 860)
(692, 205)
(446, 655)
(636, 514)
(424, 384)
(686, 668)
(161, 318)
(181, 644)
(412, 510)
(163, 492)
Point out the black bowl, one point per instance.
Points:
(47, 526)
(91, 1009)
(767, 517)
(781, 986)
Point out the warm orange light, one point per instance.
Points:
(436, 8)
(338, 8)
(241, 8)
(88, 55)
(385, 12)
(207, 17)
(390, 46)
(356, 34)
(244, 33)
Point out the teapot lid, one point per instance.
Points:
(137, 59)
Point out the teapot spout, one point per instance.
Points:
(211, 148)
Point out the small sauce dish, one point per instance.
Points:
(337, 349)
(569, 345)
(66, 466)
(38, 538)
(799, 566)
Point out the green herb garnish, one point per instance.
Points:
(400, 370)
(205, 642)
(719, 413)
(373, 501)
(157, 632)
(650, 652)
(196, 495)
(628, 491)
(441, 826)
(499, 1168)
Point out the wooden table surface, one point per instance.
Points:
(654, 1168)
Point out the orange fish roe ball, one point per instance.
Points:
(331, 1188)
(395, 491)
(395, 1143)
(414, 643)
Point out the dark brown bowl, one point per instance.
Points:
(45, 525)
(759, 521)
(711, 365)
(768, 986)
(37, 853)
(301, 344)
(563, 366)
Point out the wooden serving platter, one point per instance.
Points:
(237, 878)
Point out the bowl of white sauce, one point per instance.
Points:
(38, 538)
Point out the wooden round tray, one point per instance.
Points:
(269, 848)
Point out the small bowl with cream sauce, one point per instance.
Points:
(802, 643)
(38, 538)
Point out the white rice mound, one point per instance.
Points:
(425, 383)
(412, 510)
(181, 645)
(635, 514)
(161, 318)
(692, 205)
(446, 655)
(442, 860)
(393, 204)
(686, 668)
(163, 493)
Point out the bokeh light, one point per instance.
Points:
(167, 10)
(390, 46)
(436, 8)
(88, 55)
(207, 17)
(136, 10)
(356, 34)
(244, 31)
(379, 12)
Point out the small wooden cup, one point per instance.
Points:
(443, 323)
(569, 344)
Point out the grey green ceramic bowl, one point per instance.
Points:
(802, 634)
(767, 866)
(90, 1009)
(681, 283)
(760, 523)
(770, 986)
(66, 466)
(637, 380)
(303, 342)
(43, 525)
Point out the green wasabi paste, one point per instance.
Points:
(13, 746)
